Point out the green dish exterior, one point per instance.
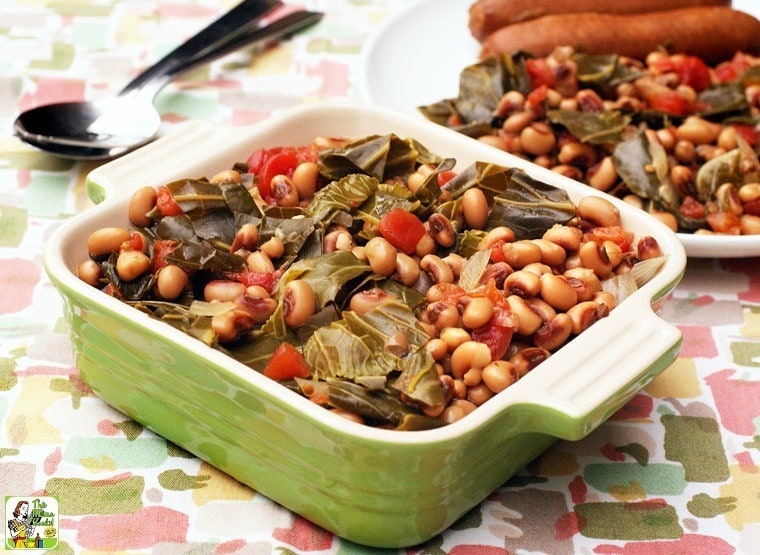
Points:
(371, 492)
(368, 487)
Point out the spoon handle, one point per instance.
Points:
(246, 14)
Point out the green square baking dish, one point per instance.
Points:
(376, 487)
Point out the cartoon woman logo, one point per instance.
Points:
(22, 526)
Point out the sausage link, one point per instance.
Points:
(487, 16)
(711, 33)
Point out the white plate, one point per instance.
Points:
(415, 59)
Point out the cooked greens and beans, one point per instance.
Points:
(373, 276)
(669, 134)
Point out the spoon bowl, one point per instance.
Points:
(112, 126)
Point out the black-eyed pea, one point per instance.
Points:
(544, 310)
(256, 292)
(538, 138)
(750, 224)
(441, 314)
(470, 354)
(436, 268)
(456, 262)
(698, 131)
(284, 191)
(517, 121)
(577, 155)
(567, 237)
(648, 247)
(727, 138)
(381, 256)
(585, 282)
(499, 375)
(305, 178)
(607, 299)
(442, 292)
(614, 252)
(398, 344)
(338, 240)
(299, 302)
(594, 255)
(528, 358)
(258, 261)
(89, 272)
(273, 248)
(551, 253)
(426, 245)
(107, 240)
(685, 151)
(437, 348)
(477, 312)
(230, 325)
(472, 377)
(598, 211)
(227, 176)
(667, 138)
(452, 414)
(364, 301)
(749, 192)
(583, 315)
(143, 200)
(521, 253)
(496, 141)
(131, 264)
(246, 237)
(453, 337)
(171, 281)
(407, 270)
(666, 218)
(602, 175)
(556, 291)
(441, 230)
(527, 321)
(538, 268)
(475, 208)
(554, 333)
(258, 308)
(500, 234)
(522, 283)
(223, 290)
(479, 394)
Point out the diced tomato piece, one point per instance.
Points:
(268, 162)
(401, 229)
(614, 233)
(497, 333)
(747, 132)
(691, 208)
(161, 249)
(262, 279)
(725, 222)
(539, 73)
(445, 176)
(165, 202)
(691, 70)
(727, 72)
(286, 363)
(670, 102)
(497, 252)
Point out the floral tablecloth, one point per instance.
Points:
(676, 471)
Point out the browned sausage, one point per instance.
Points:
(714, 34)
(486, 16)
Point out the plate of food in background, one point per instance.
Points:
(659, 106)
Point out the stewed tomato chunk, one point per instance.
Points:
(286, 363)
(401, 229)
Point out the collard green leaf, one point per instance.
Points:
(342, 195)
(377, 156)
(176, 228)
(530, 207)
(134, 290)
(490, 178)
(204, 256)
(592, 128)
(717, 171)
(603, 71)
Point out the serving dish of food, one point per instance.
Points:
(620, 115)
(368, 420)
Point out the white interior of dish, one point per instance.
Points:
(574, 381)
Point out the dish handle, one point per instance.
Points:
(599, 377)
(179, 155)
